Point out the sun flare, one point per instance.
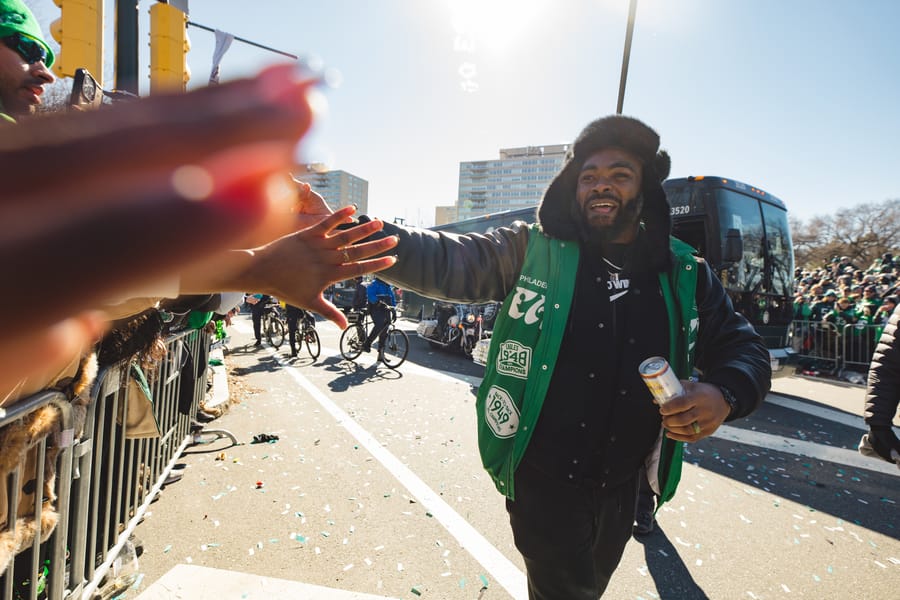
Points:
(494, 25)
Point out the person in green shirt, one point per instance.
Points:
(25, 60)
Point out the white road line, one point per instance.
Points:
(849, 458)
(500, 567)
(818, 411)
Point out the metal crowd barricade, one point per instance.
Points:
(125, 474)
(39, 564)
(823, 346)
(105, 481)
(858, 346)
(818, 345)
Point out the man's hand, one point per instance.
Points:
(297, 268)
(310, 207)
(701, 404)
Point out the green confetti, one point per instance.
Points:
(415, 590)
(167, 548)
(484, 581)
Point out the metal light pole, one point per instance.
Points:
(127, 46)
(632, 9)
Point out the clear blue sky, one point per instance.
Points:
(798, 97)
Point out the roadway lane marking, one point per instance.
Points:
(841, 456)
(500, 567)
(818, 411)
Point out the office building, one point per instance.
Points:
(516, 180)
(339, 188)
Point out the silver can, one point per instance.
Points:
(660, 379)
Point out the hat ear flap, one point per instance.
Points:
(662, 164)
(555, 213)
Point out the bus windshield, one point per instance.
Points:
(766, 237)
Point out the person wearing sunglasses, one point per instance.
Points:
(25, 60)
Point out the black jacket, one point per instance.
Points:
(475, 268)
(883, 390)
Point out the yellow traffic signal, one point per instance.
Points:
(169, 45)
(79, 31)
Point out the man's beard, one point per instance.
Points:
(626, 219)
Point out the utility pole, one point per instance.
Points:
(127, 46)
(632, 9)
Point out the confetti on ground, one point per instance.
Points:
(415, 590)
(484, 581)
(167, 548)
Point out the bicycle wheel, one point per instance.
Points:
(396, 347)
(352, 341)
(312, 343)
(275, 332)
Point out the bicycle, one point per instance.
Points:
(396, 343)
(309, 335)
(274, 325)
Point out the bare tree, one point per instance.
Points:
(866, 231)
(863, 233)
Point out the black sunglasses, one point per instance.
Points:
(30, 50)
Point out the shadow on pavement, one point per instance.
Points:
(671, 576)
(351, 374)
(858, 496)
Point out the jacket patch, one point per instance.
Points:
(528, 304)
(500, 413)
(513, 359)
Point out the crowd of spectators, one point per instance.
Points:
(845, 294)
(840, 310)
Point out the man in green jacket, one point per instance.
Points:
(565, 421)
(25, 60)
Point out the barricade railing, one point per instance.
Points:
(858, 345)
(35, 429)
(826, 348)
(105, 480)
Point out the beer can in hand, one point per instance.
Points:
(660, 379)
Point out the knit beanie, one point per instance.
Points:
(559, 214)
(15, 17)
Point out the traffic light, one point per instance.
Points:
(169, 45)
(79, 31)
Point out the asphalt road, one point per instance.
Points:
(374, 485)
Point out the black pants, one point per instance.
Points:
(293, 324)
(381, 317)
(571, 537)
(257, 316)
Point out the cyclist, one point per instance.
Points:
(294, 314)
(381, 299)
(360, 295)
(257, 308)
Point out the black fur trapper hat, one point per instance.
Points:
(559, 214)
